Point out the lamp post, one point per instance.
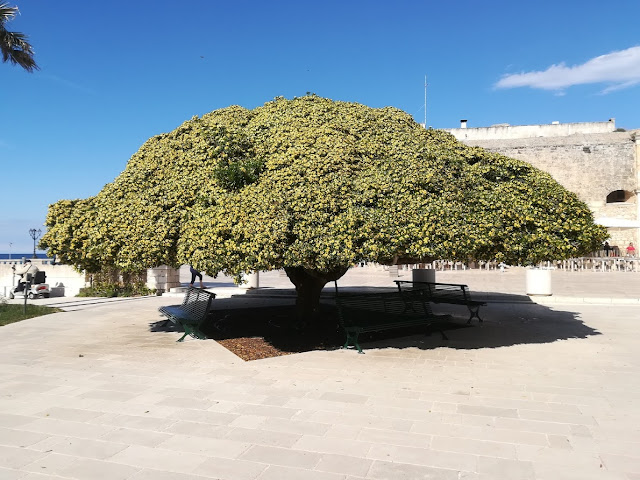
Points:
(35, 234)
(10, 245)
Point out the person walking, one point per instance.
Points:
(195, 273)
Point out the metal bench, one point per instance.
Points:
(451, 293)
(192, 313)
(363, 313)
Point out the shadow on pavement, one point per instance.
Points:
(507, 324)
(264, 323)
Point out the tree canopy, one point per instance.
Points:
(314, 186)
(14, 45)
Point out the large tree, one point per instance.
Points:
(14, 45)
(314, 186)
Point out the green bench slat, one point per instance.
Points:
(192, 313)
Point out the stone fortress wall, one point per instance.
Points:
(599, 164)
(504, 131)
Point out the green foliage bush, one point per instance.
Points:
(116, 290)
(111, 282)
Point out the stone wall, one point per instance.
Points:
(592, 166)
(589, 159)
(506, 131)
(63, 280)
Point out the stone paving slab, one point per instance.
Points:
(536, 392)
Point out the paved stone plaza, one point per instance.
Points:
(540, 391)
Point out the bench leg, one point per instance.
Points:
(352, 337)
(192, 331)
(428, 333)
(181, 339)
(474, 312)
(197, 333)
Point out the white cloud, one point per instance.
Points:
(620, 69)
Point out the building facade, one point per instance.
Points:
(594, 160)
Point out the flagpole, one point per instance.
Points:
(425, 101)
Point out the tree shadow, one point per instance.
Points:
(253, 327)
(505, 324)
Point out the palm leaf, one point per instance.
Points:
(6, 13)
(14, 45)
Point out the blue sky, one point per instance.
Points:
(112, 75)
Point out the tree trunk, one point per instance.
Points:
(309, 285)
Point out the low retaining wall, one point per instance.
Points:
(63, 280)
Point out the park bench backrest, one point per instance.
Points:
(434, 289)
(197, 302)
(360, 309)
(440, 290)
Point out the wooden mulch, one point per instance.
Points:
(255, 333)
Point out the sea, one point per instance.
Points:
(20, 256)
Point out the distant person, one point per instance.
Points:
(195, 273)
(27, 272)
(607, 249)
(631, 250)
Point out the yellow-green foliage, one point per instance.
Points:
(318, 184)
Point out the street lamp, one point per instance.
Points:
(35, 234)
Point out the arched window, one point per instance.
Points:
(618, 196)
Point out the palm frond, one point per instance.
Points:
(17, 50)
(7, 13)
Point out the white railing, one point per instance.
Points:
(596, 264)
(18, 261)
(601, 264)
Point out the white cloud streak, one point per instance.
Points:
(620, 69)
